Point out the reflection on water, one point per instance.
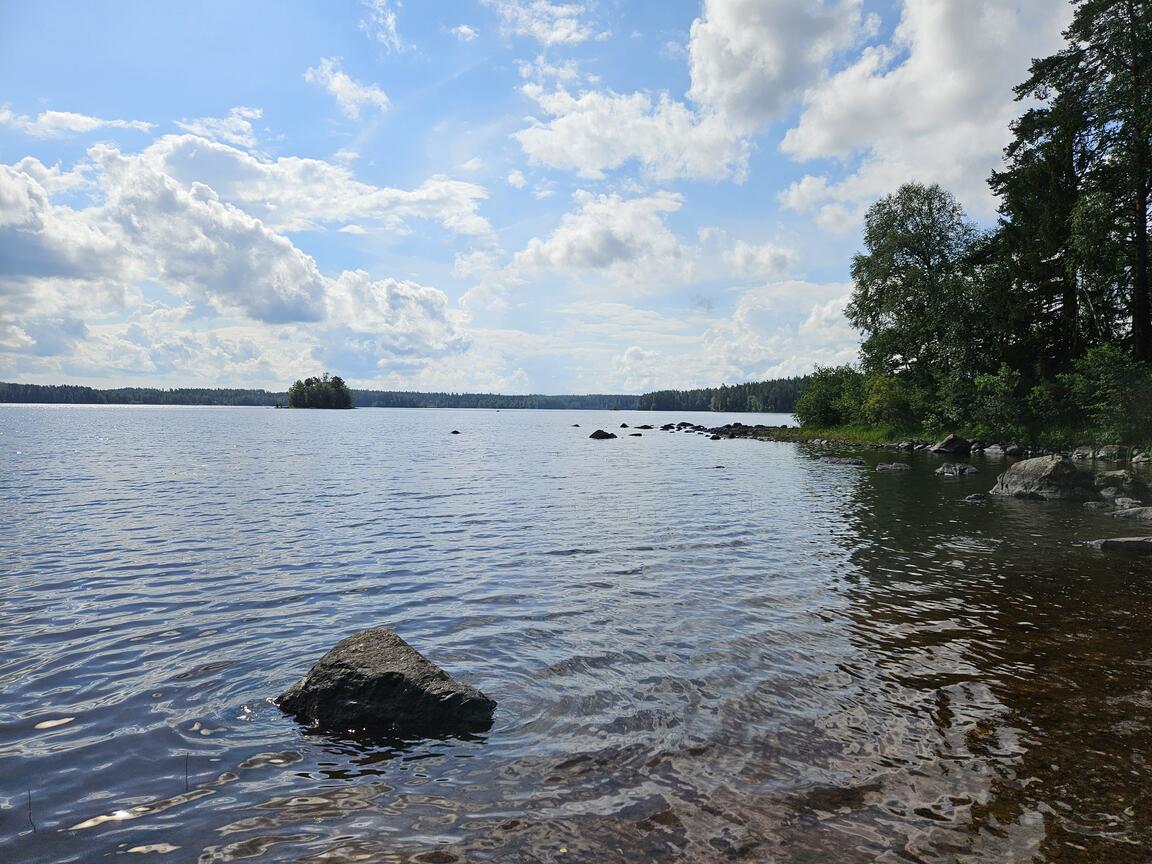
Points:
(780, 660)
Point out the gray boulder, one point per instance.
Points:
(1135, 514)
(1125, 545)
(376, 683)
(893, 466)
(1048, 478)
(1125, 483)
(1082, 453)
(601, 435)
(1121, 503)
(1112, 453)
(842, 460)
(1015, 451)
(953, 445)
(956, 469)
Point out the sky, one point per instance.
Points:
(474, 195)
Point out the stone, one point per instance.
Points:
(906, 445)
(1048, 478)
(1125, 545)
(635, 434)
(1015, 451)
(623, 425)
(1123, 482)
(1097, 505)
(1121, 503)
(601, 435)
(956, 469)
(976, 499)
(1141, 459)
(842, 460)
(953, 445)
(1134, 514)
(575, 425)
(668, 427)
(376, 683)
(713, 437)
(1112, 453)
(1082, 453)
(645, 426)
(893, 466)
(455, 431)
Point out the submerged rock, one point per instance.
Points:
(601, 435)
(374, 682)
(1135, 514)
(893, 466)
(976, 499)
(1126, 545)
(953, 445)
(842, 460)
(1112, 453)
(1048, 478)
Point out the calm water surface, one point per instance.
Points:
(702, 651)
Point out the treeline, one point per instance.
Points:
(777, 396)
(69, 394)
(1041, 328)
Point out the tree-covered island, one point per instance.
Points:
(1038, 330)
(322, 392)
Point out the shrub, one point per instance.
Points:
(832, 398)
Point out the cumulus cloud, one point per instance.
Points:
(464, 32)
(624, 239)
(516, 180)
(750, 59)
(293, 194)
(548, 23)
(933, 104)
(350, 95)
(596, 131)
(205, 248)
(236, 128)
(60, 124)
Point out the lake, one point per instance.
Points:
(702, 650)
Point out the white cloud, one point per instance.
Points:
(599, 131)
(350, 95)
(932, 105)
(236, 128)
(624, 239)
(548, 23)
(516, 180)
(765, 260)
(59, 124)
(294, 194)
(203, 248)
(750, 59)
(379, 22)
(464, 32)
(540, 69)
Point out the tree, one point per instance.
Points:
(916, 296)
(323, 392)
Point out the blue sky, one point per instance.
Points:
(481, 195)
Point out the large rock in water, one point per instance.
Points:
(374, 682)
(1048, 478)
(954, 445)
(601, 435)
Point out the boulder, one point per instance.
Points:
(1141, 459)
(601, 435)
(953, 445)
(1015, 451)
(1121, 503)
(1048, 478)
(668, 427)
(1082, 453)
(956, 469)
(906, 445)
(893, 466)
(376, 683)
(1125, 545)
(713, 437)
(1097, 505)
(455, 431)
(645, 426)
(842, 460)
(1123, 482)
(976, 499)
(623, 425)
(575, 425)
(635, 434)
(1112, 453)
(1135, 514)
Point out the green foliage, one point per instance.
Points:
(832, 398)
(1111, 395)
(891, 401)
(997, 407)
(322, 392)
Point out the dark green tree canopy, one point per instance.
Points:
(323, 392)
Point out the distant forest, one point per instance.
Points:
(777, 396)
(772, 396)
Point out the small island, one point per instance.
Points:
(322, 392)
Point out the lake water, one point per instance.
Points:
(702, 650)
